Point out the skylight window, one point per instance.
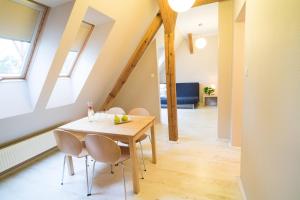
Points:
(81, 39)
(20, 22)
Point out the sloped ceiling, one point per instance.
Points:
(202, 20)
(131, 17)
(53, 3)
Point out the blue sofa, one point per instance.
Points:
(187, 95)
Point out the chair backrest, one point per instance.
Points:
(116, 110)
(67, 142)
(139, 111)
(102, 149)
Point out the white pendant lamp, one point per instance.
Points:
(181, 5)
(200, 43)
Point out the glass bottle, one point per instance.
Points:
(90, 112)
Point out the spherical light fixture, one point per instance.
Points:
(201, 43)
(181, 5)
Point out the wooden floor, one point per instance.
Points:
(198, 167)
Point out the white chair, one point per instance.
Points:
(140, 112)
(116, 111)
(71, 146)
(105, 150)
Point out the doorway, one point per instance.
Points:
(196, 49)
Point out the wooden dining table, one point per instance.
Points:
(103, 124)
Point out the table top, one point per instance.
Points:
(104, 123)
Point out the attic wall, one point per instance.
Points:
(238, 4)
(162, 74)
(201, 66)
(225, 60)
(131, 20)
(142, 87)
(270, 142)
(237, 84)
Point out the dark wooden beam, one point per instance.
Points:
(171, 86)
(169, 21)
(191, 44)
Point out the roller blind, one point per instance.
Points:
(18, 19)
(81, 36)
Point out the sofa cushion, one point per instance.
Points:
(187, 93)
(163, 100)
(182, 100)
(187, 100)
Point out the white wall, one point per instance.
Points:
(271, 136)
(238, 4)
(132, 19)
(142, 87)
(46, 49)
(71, 87)
(225, 68)
(201, 66)
(238, 80)
(14, 98)
(23, 95)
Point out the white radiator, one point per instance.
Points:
(17, 153)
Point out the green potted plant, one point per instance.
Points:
(209, 90)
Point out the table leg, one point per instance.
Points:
(135, 168)
(153, 144)
(70, 165)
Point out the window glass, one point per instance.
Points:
(12, 56)
(77, 47)
(19, 22)
(69, 62)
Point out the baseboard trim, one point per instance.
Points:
(241, 187)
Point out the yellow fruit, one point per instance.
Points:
(117, 119)
(125, 118)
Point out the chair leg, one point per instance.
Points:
(87, 174)
(124, 181)
(141, 171)
(141, 146)
(63, 171)
(91, 185)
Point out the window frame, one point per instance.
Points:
(35, 37)
(80, 51)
